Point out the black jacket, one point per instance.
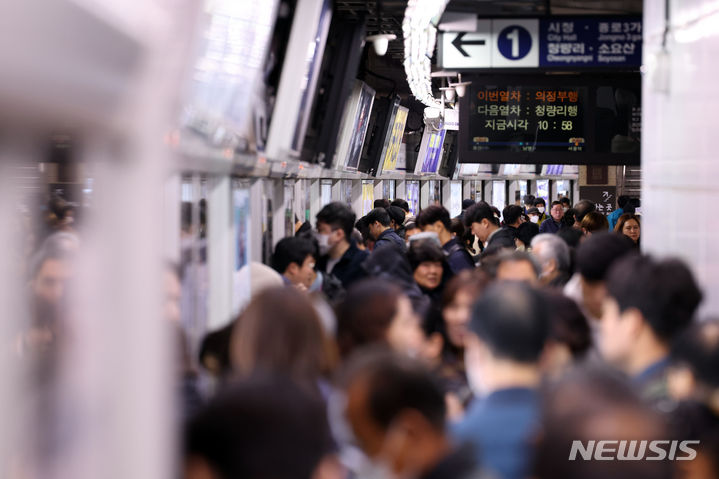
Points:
(458, 258)
(503, 238)
(388, 237)
(349, 268)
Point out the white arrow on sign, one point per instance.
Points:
(467, 49)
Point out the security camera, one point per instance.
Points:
(381, 42)
(448, 92)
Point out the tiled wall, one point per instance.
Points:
(680, 147)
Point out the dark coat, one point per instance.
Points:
(390, 237)
(458, 258)
(349, 268)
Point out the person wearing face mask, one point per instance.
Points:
(533, 215)
(396, 412)
(541, 206)
(339, 253)
(566, 204)
(509, 328)
(554, 222)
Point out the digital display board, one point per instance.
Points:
(546, 120)
(527, 118)
(430, 151)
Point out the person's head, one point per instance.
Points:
(335, 223)
(571, 236)
(402, 204)
(566, 203)
(628, 224)
(570, 337)
(378, 220)
(588, 406)
(410, 230)
(264, 426)
(457, 229)
(622, 201)
(528, 201)
(280, 332)
(377, 312)
(541, 205)
(427, 260)
(435, 218)
(552, 254)
(594, 258)
(294, 259)
(511, 215)
(582, 208)
(525, 234)
(481, 220)
(517, 266)
(51, 269)
(396, 216)
(466, 203)
(457, 300)
(396, 411)
(594, 222)
(648, 303)
(557, 212)
(381, 203)
(695, 363)
(510, 325)
(533, 214)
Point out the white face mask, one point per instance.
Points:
(324, 242)
(534, 219)
(541, 210)
(565, 209)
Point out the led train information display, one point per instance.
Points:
(534, 119)
(528, 119)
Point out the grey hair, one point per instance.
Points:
(557, 249)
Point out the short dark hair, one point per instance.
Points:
(511, 318)
(365, 314)
(565, 201)
(378, 214)
(511, 214)
(528, 200)
(526, 232)
(569, 326)
(622, 201)
(291, 250)
(466, 203)
(339, 216)
(401, 203)
(598, 252)
(582, 208)
(424, 250)
(457, 228)
(234, 432)
(381, 203)
(397, 214)
(698, 348)
(665, 292)
(540, 201)
(396, 384)
(477, 212)
(432, 214)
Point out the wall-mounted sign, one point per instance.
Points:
(557, 42)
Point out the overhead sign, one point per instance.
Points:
(545, 43)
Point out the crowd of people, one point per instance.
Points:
(494, 344)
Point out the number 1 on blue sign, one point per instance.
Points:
(513, 36)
